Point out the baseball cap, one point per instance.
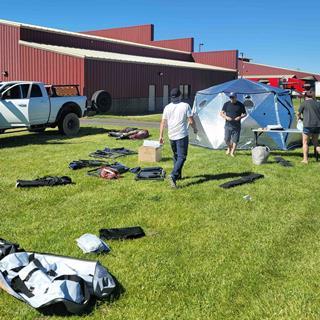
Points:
(232, 94)
(175, 93)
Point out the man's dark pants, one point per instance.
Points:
(180, 151)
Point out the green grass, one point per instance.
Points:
(146, 118)
(208, 253)
(296, 103)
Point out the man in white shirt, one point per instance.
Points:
(177, 115)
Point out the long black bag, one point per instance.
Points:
(121, 233)
(53, 284)
(243, 180)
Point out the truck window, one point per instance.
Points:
(35, 91)
(24, 90)
(12, 93)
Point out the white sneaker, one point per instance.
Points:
(172, 182)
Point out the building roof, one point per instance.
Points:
(118, 57)
(87, 36)
(250, 68)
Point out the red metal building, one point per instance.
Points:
(144, 34)
(138, 76)
(247, 69)
(277, 76)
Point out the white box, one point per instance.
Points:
(151, 143)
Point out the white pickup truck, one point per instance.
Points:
(36, 107)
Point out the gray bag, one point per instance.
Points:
(55, 284)
(260, 154)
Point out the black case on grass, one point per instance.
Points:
(122, 233)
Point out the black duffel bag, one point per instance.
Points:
(7, 247)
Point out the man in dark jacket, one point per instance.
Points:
(309, 111)
(233, 111)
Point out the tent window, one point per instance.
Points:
(202, 103)
(248, 103)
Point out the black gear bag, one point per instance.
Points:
(44, 182)
(122, 233)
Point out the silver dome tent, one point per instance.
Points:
(265, 105)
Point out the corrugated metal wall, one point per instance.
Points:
(9, 51)
(61, 39)
(50, 67)
(127, 80)
(144, 34)
(248, 68)
(139, 34)
(184, 44)
(226, 59)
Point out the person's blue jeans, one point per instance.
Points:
(180, 151)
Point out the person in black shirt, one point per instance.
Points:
(309, 112)
(232, 111)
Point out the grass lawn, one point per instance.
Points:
(147, 118)
(208, 253)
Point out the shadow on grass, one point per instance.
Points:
(209, 177)
(9, 140)
(286, 153)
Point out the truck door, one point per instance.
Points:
(39, 105)
(14, 106)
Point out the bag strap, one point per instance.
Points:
(19, 286)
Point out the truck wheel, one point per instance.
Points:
(69, 124)
(102, 101)
(2, 131)
(38, 130)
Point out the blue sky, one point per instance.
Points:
(281, 33)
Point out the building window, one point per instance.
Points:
(185, 91)
(152, 98)
(165, 95)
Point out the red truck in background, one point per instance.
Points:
(293, 84)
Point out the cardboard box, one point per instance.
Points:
(149, 154)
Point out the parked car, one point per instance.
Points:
(37, 107)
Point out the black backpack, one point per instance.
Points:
(151, 173)
(7, 247)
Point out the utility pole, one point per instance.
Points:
(242, 65)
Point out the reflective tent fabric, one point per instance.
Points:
(265, 105)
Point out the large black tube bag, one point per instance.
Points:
(53, 284)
